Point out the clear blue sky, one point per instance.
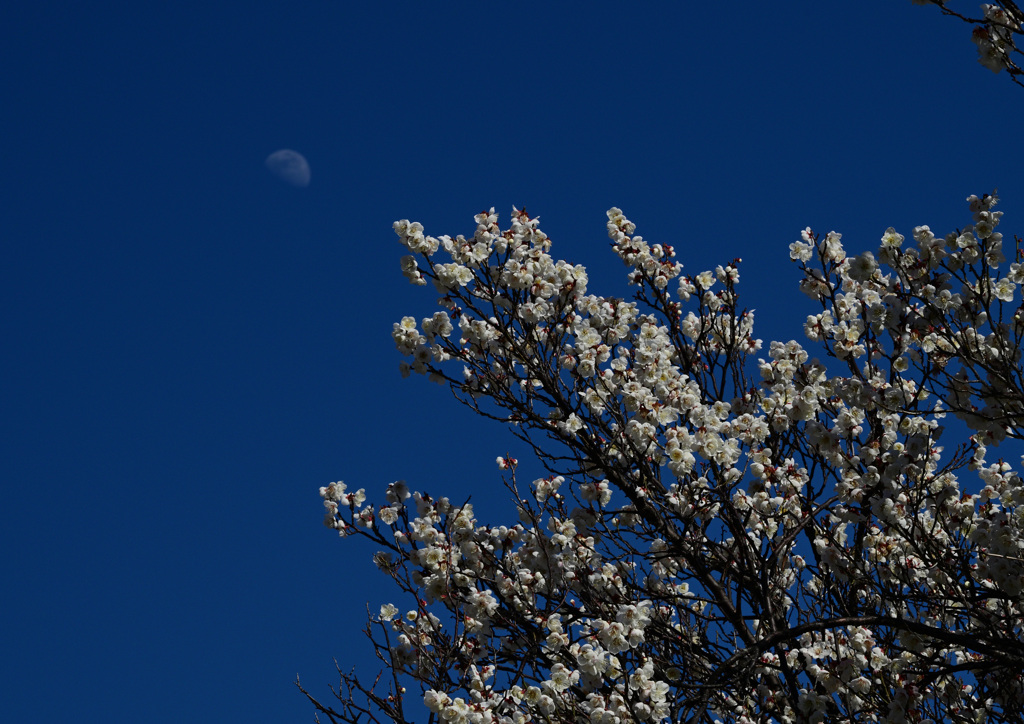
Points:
(193, 347)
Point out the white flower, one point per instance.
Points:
(704, 280)
(892, 240)
(862, 267)
(1003, 289)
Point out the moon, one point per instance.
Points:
(290, 166)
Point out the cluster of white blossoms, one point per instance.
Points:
(995, 38)
(722, 537)
(993, 33)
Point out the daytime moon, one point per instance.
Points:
(290, 166)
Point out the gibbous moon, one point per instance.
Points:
(290, 166)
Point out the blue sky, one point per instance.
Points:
(193, 346)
